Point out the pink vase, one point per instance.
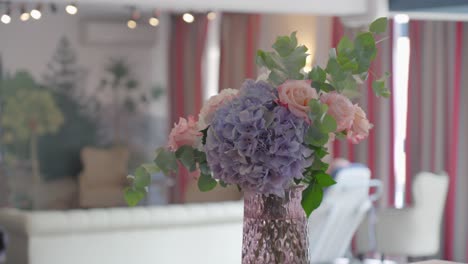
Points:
(275, 229)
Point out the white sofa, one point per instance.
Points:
(197, 233)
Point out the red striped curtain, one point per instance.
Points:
(185, 78)
(437, 117)
(376, 151)
(437, 122)
(239, 44)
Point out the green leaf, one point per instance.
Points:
(285, 45)
(166, 161)
(315, 137)
(318, 75)
(151, 168)
(317, 109)
(379, 88)
(133, 196)
(223, 184)
(341, 135)
(319, 165)
(324, 179)
(347, 63)
(327, 124)
(379, 25)
(204, 168)
(286, 62)
(334, 69)
(348, 84)
(326, 87)
(205, 134)
(142, 178)
(186, 156)
(345, 45)
(320, 152)
(311, 198)
(206, 183)
(365, 51)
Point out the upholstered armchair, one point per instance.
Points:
(411, 232)
(103, 178)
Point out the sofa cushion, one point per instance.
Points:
(39, 223)
(104, 167)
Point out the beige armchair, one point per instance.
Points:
(414, 231)
(103, 178)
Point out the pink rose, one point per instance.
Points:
(184, 133)
(361, 126)
(341, 108)
(209, 108)
(295, 95)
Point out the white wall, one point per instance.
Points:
(312, 31)
(30, 46)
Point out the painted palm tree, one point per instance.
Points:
(29, 112)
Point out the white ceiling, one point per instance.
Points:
(317, 7)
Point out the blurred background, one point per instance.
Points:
(89, 89)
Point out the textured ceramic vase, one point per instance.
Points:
(275, 229)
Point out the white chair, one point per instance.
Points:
(333, 224)
(410, 232)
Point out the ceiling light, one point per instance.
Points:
(71, 9)
(188, 18)
(131, 24)
(6, 18)
(36, 12)
(24, 15)
(153, 21)
(211, 15)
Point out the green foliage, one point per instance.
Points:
(142, 178)
(166, 161)
(379, 25)
(311, 198)
(29, 110)
(59, 153)
(134, 196)
(140, 182)
(286, 62)
(315, 137)
(205, 133)
(186, 155)
(206, 183)
(324, 179)
(379, 88)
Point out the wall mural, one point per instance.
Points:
(45, 123)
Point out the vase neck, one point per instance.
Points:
(269, 206)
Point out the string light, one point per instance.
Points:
(211, 15)
(36, 12)
(71, 9)
(24, 15)
(188, 18)
(6, 18)
(132, 22)
(154, 20)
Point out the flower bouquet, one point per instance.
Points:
(269, 138)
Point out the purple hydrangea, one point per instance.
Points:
(255, 143)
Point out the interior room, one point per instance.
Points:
(253, 132)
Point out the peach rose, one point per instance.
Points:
(184, 133)
(295, 95)
(361, 126)
(209, 108)
(341, 108)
